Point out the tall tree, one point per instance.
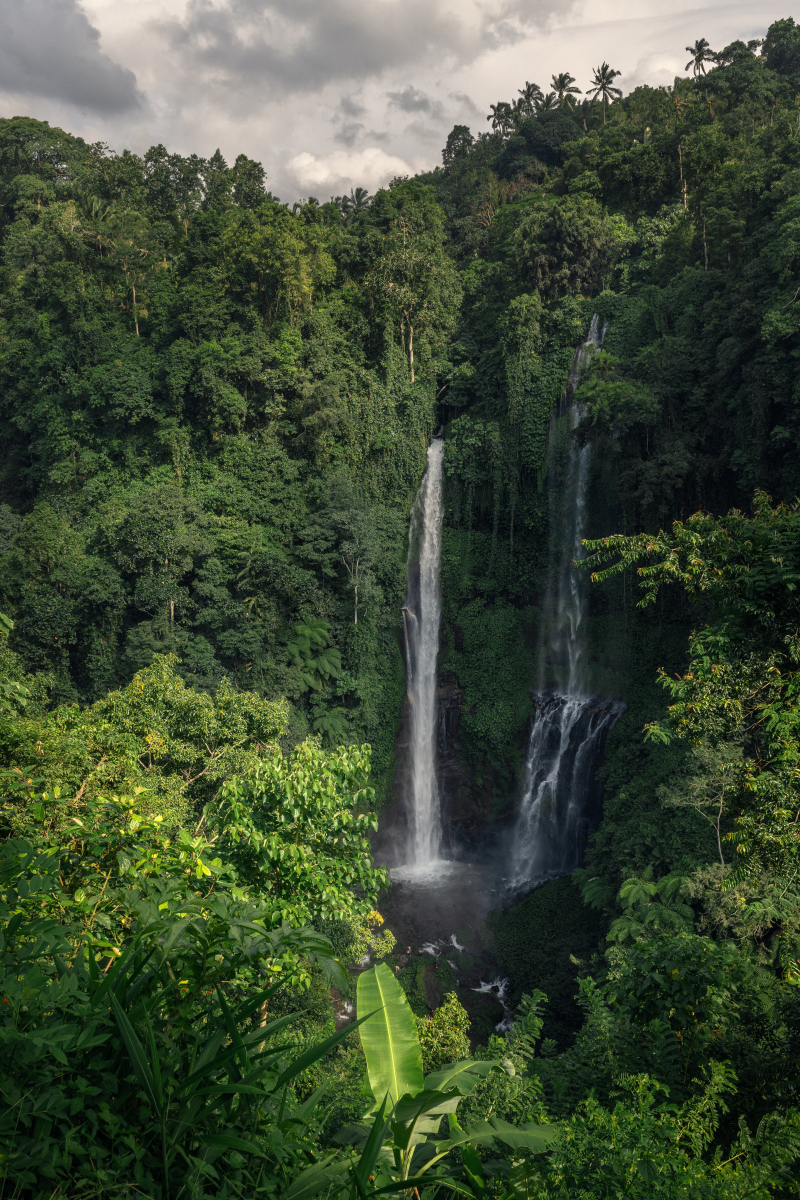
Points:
(701, 53)
(501, 116)
(602, 86)
(359, 199)
(529, 97)
(562, 86)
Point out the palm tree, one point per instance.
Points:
(518, 113)
(356, 202)
(547, 103)
(501, 116)
(530, 96)
(602, 88)
(359, 199)
(701, 53)
(562, 86)
(586, 112)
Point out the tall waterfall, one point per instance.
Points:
(566, 739)
(422, 615)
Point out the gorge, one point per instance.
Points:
(300, 684)
(559, 790)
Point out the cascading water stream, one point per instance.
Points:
(422, 615)
(569, 727)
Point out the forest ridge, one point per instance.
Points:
(215, 410)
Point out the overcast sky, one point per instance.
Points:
(329, 94)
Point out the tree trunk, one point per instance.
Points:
(411, 349)
(683, 181)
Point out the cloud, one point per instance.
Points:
(281, 47)
(48, 48)
(352, 107)
(466, 103)
(271, 78)
(348, 133)
(422, 132)
(370, 168)
(412, 99)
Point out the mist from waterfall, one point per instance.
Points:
(559, 792)
(422, 615)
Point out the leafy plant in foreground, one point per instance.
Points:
(395, 1152)
(151, 1068)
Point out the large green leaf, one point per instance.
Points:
(523, 1137)
(389, 1036)
(408, 1114)
(519, 1137)
(463, 1076)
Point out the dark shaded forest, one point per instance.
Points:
(215, 409)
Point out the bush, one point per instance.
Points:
(545, 942)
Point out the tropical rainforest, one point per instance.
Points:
(215, 410)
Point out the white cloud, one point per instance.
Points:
(372, 167)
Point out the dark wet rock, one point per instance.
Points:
(433, 995)
(472, 819)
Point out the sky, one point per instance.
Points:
(329, 94)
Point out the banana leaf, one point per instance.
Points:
(463, 1076)
(389, 1036)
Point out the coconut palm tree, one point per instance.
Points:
(518, 113)
(562, 86)
(547, 103)
(359, 199)
(701, 53)
(602, 88)
(586, 113)
(356, 202)
(530, 96)
(501, 116)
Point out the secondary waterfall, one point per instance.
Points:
(559, 791)
(422, 614)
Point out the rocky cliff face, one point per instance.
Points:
(473, 813)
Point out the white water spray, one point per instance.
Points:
(422, 615)
(569, 726)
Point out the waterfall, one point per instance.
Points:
(421, 616)
(559, 793)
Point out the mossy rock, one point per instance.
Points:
(426, 985)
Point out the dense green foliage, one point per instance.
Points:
(547, 941)
(672, 215)
(215, 410)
